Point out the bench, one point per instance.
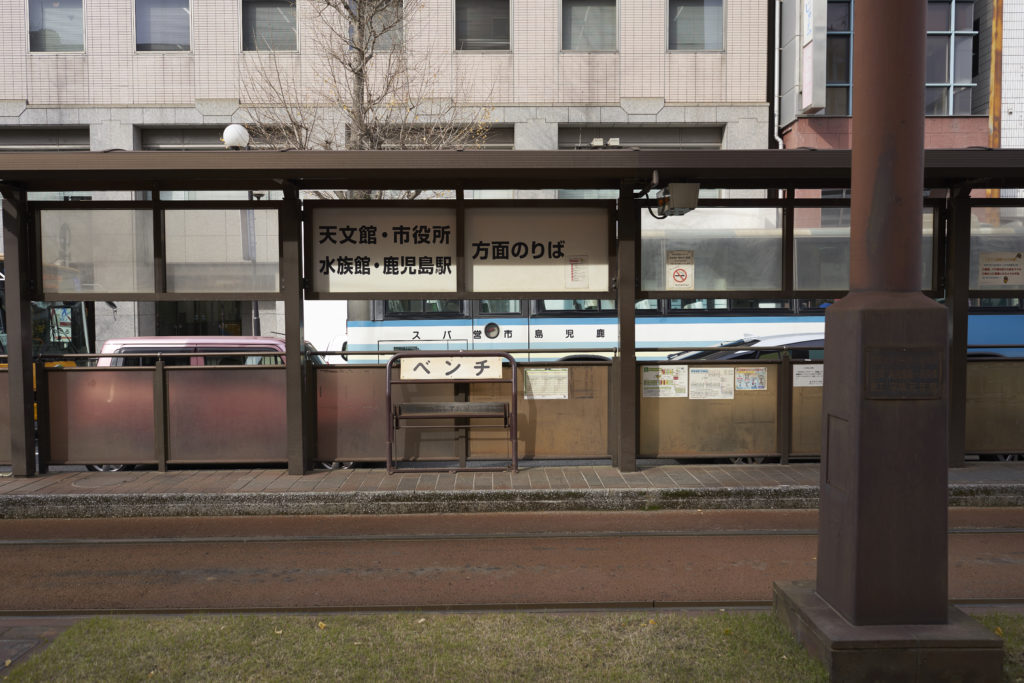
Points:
(459, 368)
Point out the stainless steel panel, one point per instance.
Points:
(352, 417)
(101, 416)
(5, 419)
(226, 414)
(576, 427)
(687, 427)
(995, 407)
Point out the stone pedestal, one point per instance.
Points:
(959, 650)
(882, 530)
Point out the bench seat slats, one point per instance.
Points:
(450, 409)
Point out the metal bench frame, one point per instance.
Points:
(462, 412)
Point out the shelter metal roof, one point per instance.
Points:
(477, 169)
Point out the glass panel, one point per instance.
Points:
(936, 102)
(822, 254)
(193, 318)
(964, 15)
(962, 99)
(96, 251)
(937, 60)
(838, 16)
(268, 25)
(730, 249)
(695, 25)
(963, 51)
(837, 61)
(997, 242)
(938, 15)
(837, 101)
(588, 25)
(161, 25)
(55, 26)
(482, 25)
(221, 250)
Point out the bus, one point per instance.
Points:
(587, 329)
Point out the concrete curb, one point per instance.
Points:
(115, 505)
(29, 506)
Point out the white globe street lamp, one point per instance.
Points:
(235, 136)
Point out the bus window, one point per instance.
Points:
(559, 306)
(648, 307)
(759, 304)
(676, 305)
(403, 308)
(498, 307)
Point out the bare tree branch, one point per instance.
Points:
(358, 85)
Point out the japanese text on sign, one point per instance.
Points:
(391, 249)
(451, 368)
(1001, 268)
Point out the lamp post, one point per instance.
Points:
(237, 137)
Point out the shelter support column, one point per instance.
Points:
(880, 609)
(19, 332)
(297, 402)
(957, 289)
(627, 415)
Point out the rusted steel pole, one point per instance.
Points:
(888, 147)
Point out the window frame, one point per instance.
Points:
(561, 33)
(455, 31)
(950, 34)
(28, 30)
(848, 83)
(685, 50)
(257, 50)
(135, 28)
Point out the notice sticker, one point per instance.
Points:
(679, 269)
(751, 379)
(712, 383)
(808, 375)
(664, 381)
(1000, 269)
(545, 383)
(577, 272)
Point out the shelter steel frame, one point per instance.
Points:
(630, 171)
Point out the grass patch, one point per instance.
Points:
(721, 646)
(1009, 627)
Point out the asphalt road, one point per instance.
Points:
(450, 561)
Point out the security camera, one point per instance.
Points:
(678, 199)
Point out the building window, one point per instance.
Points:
(55, 26)
(588, 25)
(949, 69)
(482, 25)
(695, 25)
(839, 58)
(161, 25)
(268, 25)
(385, 26)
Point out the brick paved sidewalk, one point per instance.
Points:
(538, 486)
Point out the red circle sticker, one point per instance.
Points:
(679, 275)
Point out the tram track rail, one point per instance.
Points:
(427, 537)
(465, 562)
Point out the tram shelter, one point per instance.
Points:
(786, 180)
